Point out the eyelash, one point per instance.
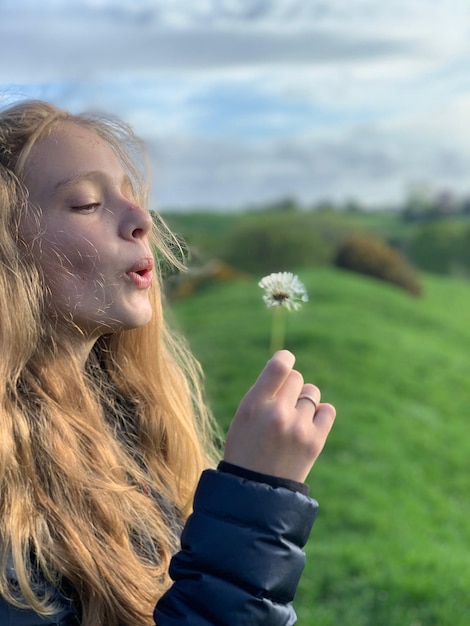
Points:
(86, 207)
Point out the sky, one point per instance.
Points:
(245, 102)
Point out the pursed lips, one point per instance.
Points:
(140, 273)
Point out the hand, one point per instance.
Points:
(273, 431)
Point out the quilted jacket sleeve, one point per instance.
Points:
(241, 555)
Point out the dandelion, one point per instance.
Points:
(282, 290)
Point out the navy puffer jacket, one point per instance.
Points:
(240, 560)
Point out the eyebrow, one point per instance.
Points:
(76, 178)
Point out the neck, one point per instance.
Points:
(74, 344)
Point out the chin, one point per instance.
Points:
(117, 324)
(133, 325)
(137, 321)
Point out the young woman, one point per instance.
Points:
(104, 433)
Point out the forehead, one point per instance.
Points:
(68, 151)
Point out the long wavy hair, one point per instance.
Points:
(98, 465)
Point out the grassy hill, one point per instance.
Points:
(390, 545)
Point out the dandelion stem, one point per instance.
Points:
(283, 292)
(278, 328)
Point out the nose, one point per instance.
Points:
(136, 222)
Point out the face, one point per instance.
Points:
(90, 236)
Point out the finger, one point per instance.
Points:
(323, 420)
(309, 394)
(306, 398)
(274, 374)
(291, 389)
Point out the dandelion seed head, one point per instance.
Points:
(283, 289)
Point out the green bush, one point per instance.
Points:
(441, 247)
(275, 243)
(374, 257)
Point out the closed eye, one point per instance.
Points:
(87, 208)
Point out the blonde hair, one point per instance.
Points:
(97, 466)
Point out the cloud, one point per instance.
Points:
(91, 38)
(244, 101)
(369, 164)
(75, 50)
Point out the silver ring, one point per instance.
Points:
(305, 396)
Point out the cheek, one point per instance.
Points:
(76, 263)
(73, 277)
(69, 254)
(72, 274)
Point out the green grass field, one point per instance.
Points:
(390, 546)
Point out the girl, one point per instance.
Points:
(105, 435)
